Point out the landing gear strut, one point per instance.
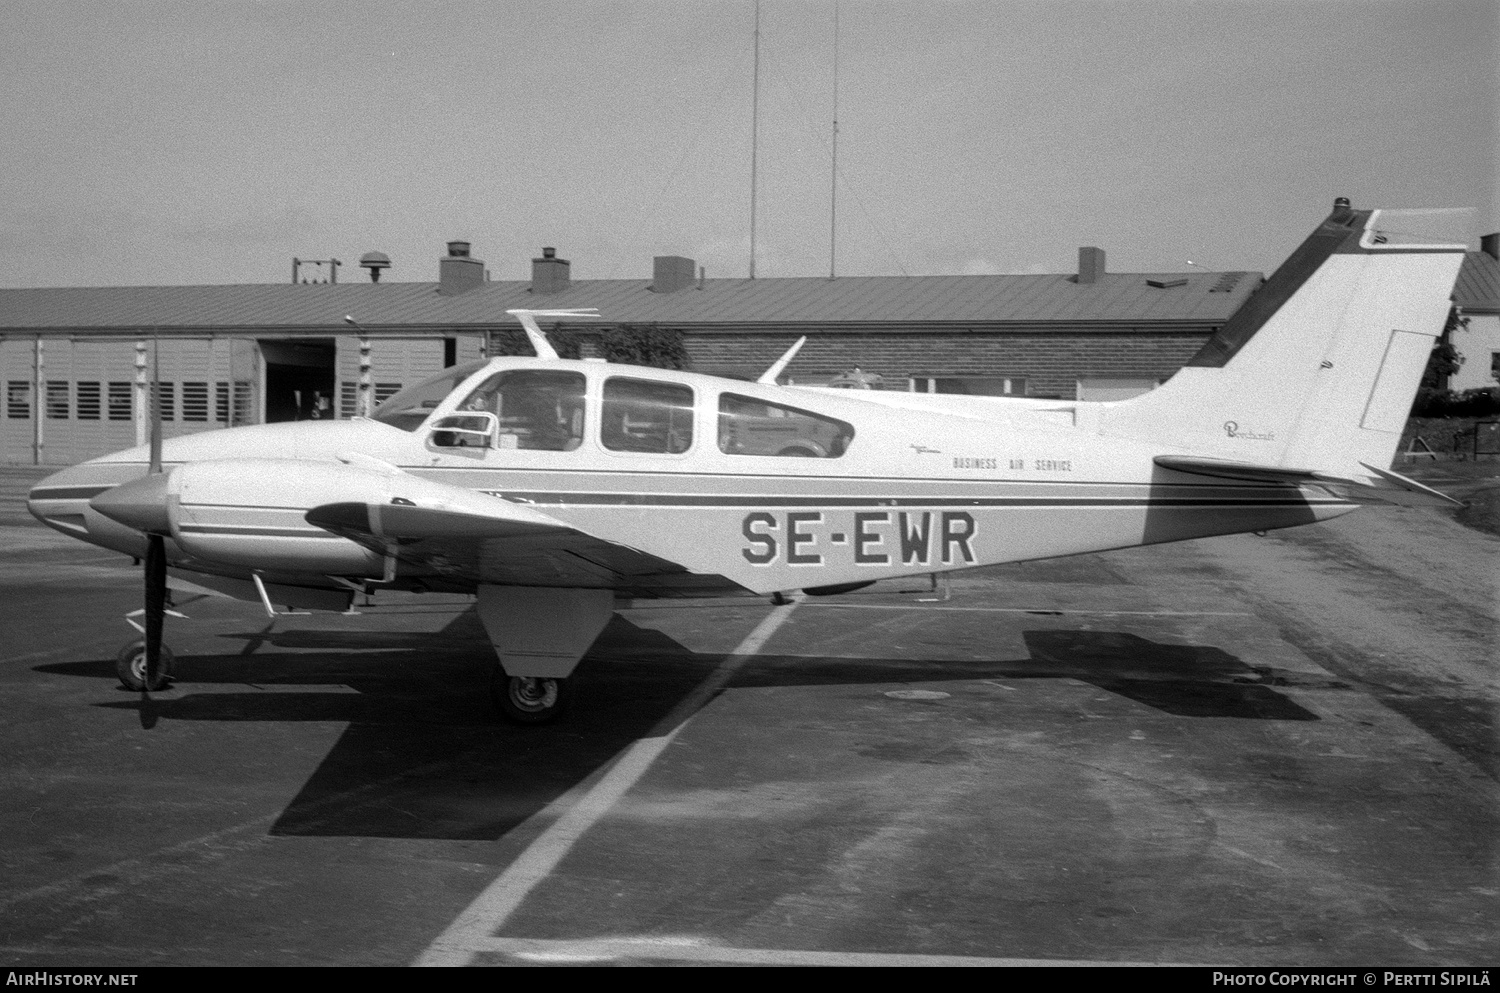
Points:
(530, 699)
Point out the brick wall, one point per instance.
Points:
(1051, 361)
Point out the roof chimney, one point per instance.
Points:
(670, 273)
(1090, 265)
(549, 274)
(1490, 245)
(458, 272)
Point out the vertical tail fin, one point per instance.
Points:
(1319, 368)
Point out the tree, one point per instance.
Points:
(1445, 359)
(644, 344)
(631, 344)
(512, 341)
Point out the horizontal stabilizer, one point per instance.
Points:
(1401, 490)
(1225, 469)
(1418, 495)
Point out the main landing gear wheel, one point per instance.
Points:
(530, 699)
(130, 666)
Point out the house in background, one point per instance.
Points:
(1477, 296)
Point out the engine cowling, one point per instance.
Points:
(252, 512)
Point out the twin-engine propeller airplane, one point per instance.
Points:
(548, 487)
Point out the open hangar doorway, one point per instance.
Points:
(299, 379)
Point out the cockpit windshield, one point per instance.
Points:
(413, 405)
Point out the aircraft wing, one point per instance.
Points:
(509, 544)
(1398, 489)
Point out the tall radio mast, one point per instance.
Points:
(833, 193)
(754, 137)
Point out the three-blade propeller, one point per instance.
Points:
(156, 550)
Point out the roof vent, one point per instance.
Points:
(670, 273)
(458, 272)
(375, 261)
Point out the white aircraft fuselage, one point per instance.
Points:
(964, 482)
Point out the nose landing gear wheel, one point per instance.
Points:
(530, 699)
(130, 666)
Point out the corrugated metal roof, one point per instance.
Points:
(849, 300)
(1478, 288)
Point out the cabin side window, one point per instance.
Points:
(537, 409)
(641, 415)
(755, 427)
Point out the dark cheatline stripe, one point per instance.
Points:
(1281, 499)
(67, 492)
(631, 476)
(252, 531)
(274, 507)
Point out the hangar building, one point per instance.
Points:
(74, 362)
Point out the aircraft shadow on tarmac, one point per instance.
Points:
(1183, 680)
(424, 755)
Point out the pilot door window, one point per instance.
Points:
(755, 427)
(644, 416)
(409, 409)
(526, 409)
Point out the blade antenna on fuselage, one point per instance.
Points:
(770, 376)
(544, 349)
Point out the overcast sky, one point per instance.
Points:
(150, 143)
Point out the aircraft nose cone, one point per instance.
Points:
(140, 504)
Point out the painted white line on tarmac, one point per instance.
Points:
(1036, 610)
(145, 871)
(671, 949)
(473, 930)
(142, 872)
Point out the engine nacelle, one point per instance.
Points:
(252, 512)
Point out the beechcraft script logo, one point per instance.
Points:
(1233, 430)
